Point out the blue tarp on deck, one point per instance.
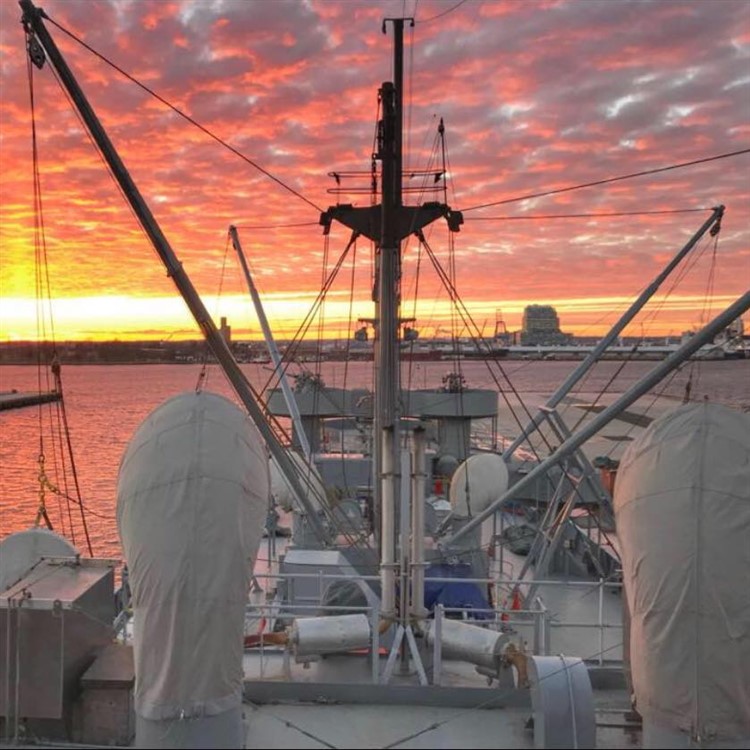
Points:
(456, 594)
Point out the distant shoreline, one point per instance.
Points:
(255, 352)
(647, 357)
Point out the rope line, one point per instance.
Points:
(606, 214)
(278, 226)
(608, 180)
(440, 15)
(44, 291)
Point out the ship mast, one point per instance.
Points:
(387, 224)
(388, 303)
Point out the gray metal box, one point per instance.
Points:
(52, 623)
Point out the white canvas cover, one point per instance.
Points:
(21, 551)
(682, 504)
(476, 483)
(309, 479)
(192, 497)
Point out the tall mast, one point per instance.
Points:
(386, 224)
(273, 350)
(387, 393)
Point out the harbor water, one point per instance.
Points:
(105, 404)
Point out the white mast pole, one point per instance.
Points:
(713, 221)
(273, 350)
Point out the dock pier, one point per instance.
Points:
(16, 400)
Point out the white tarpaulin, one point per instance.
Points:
(682, 503)
(192, 498)
(476, 483)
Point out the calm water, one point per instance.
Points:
(105, 404)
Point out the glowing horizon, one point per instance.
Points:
(535, 97)
(73, 315)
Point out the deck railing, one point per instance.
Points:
(541, 629)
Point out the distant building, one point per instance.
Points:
(541, 327)
(226, 331)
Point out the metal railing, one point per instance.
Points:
(540, 628)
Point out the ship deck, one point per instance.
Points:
(405, 726)
(332, 704)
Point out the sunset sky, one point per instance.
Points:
(535, 96)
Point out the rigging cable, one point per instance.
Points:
(410, 105)
(204, 371)
(41, 514)
(603, 214)
(469, 322)
(695, 366)
(291, 350)
(608, 180)
(275, 424)
(278, 226)
(286, 359)
(440, 15)
(42, 281)
(43, 287)
(321, 326)
(448, 175)
(452, 273)
(683, 272)
(414, 315)
(426, 175)
(185, 116)
(73, 470)
(690, 262)
(348, 349)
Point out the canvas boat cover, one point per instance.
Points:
(476, 483)
(192, 497)
(309, 479)
(682, 504)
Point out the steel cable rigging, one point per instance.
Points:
(608, 180)
(60, 419)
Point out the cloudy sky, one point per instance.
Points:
(535, 96)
